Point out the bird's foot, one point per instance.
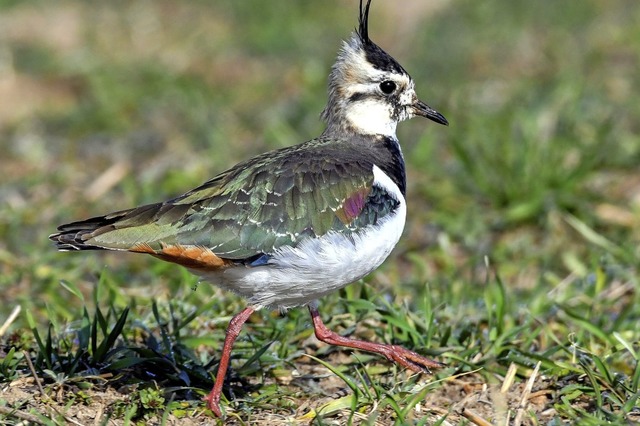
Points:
(408, 359)
(393, 353)
(213, 403)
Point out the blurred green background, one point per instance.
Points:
(524, 214)
(105, 105)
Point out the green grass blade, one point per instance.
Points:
(110, 338)
(350, 383)
(163, 331)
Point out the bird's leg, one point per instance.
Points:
(398, 354)
(233, 329)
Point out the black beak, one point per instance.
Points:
(424, 110)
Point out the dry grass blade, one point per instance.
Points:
(107, 180)
(509, 377)
(10, 319)
(474, 417)
(525, 396)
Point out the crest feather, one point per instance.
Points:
(363, 23)
(360, 61)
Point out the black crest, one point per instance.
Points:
(363, 27)
(375, 55)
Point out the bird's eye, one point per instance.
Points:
(387, 87)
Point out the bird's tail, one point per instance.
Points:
(74, 235)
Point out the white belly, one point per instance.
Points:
(317, 266)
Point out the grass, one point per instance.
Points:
(518, 266)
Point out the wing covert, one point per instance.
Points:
(273, 200)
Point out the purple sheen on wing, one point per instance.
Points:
(353, 205)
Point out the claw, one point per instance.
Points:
(411, 360)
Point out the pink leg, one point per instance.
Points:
(213, 399)
(394, 353)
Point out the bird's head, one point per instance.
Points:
(369, 91)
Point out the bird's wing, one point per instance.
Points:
(276, 199)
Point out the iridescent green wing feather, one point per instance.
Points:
(276, 199)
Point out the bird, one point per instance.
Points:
(289, 226)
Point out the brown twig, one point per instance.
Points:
(35, 375)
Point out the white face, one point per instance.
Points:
(373, 111)
(365, 98)
(377, 112)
